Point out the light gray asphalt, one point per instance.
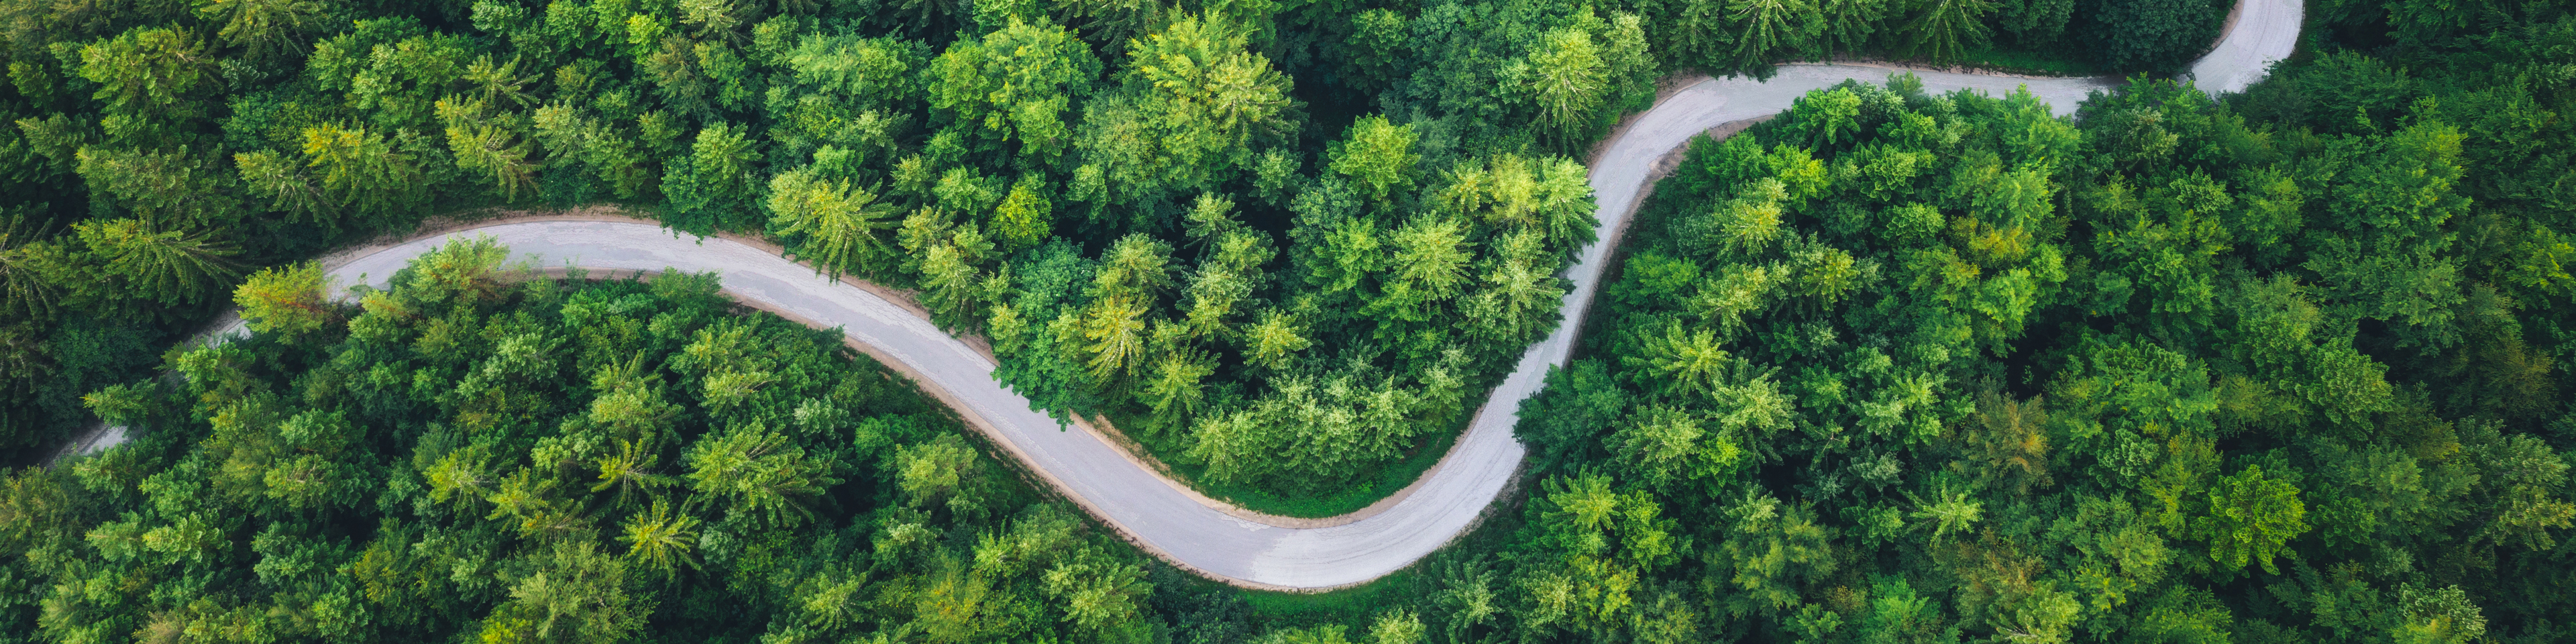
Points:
(2264, 33)
(1155, 512)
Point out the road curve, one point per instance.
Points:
(2261, 32)
(1160, 515)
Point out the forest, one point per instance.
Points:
(1895, 367)
(1238, 229)
(2280, 366)
(496, 459)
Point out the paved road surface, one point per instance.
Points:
(2263, 33)
(1154, 512)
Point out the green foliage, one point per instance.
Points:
(2250, 517)
(1893, 367)
(288, 301)
(2160, 36)
(1315, 430)
(266, 29)
(1943, 29)
(348, 465)
(365, 174)
(1765, 28)
(169, 267)
(1378, 155)
(924, 144)
(1014, 88)
(1191, 106)
(1933, 368)
(146, 80)
(713, 187)
(831, 223)
(2068, 37)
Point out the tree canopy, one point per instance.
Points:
(2282, 366)
(472, 455)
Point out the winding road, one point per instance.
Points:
(1166, 518)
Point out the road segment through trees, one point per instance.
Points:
(1165, 517)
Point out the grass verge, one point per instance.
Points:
(2024, 61)
(1366, 489)
(1349, 605)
